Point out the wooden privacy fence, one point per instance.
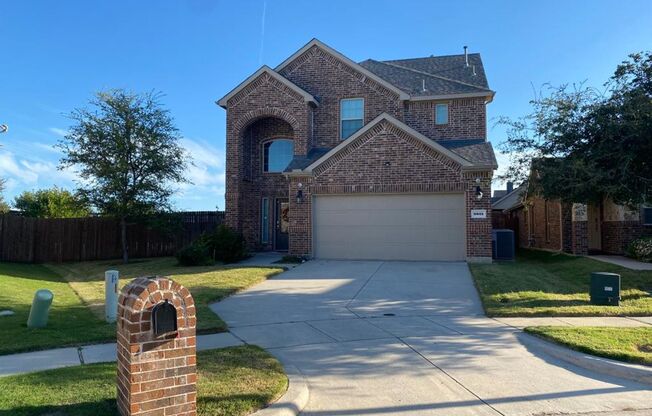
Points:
(40, 240)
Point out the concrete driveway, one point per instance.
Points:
(409, 338)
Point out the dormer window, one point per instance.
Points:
(441, 113)
(351, 116)
(277, 155)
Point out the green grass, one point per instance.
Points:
(541, 283)
(76, 316)
(633, 345)
(70, 321)
(231, 381)
(206, 283)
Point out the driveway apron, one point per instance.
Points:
(409, 338)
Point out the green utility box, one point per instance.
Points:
(605, 288)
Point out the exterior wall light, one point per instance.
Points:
(478, 193)
(299, 193)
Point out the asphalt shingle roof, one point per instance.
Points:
(442, 74)
(511, 200)
(476, 151)
(302, 162)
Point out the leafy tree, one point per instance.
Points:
(52, 203)
(585, 144)
(127, 154)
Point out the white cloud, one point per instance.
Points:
(206, 175)
(47, 147)
(59, 132)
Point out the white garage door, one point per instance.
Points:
(390, 227)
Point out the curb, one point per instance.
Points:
(294, 399)
(634, 372)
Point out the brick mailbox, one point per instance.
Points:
(157, 372)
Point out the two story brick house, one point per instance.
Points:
(330, 158)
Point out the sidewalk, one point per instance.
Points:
(623, 261)
(99, 353)
(66, 357)
(614, 321)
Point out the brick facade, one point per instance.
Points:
(387, 161)
(619, 226)
(467, 119)
(157, 374)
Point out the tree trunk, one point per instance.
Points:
(125, 248)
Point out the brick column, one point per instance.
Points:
(157, 373)
(580, 233)
(300, 217)
(478, 231)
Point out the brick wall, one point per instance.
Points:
(387, 160)
(580, 238)
(616, 235)
(467, 119)
(157, 374)
(329, 80)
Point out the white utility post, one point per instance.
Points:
(111, 278)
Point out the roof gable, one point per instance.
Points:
(308, 98)
(315, 42)
(399, 125)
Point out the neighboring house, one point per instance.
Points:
(330, 158)
(573, 228)
(499, 193)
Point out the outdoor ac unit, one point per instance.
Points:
(502, 244)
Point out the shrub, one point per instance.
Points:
(196, 254)
(641, 249)
(227, 245)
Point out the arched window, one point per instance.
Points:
(277, 155)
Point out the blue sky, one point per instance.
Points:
(54, 55)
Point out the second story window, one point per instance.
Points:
(277, 155)
(351, 116)
(441, 113)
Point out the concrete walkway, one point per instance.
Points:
(384, 338)
(89, 354)
(623, 262)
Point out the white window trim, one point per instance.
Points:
(262, 152)
(448, 113)
(346, 119)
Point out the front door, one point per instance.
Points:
(282, 218)
(594, 227)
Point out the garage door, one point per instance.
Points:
(390, 227)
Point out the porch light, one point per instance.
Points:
(478, 193)
(299, 193)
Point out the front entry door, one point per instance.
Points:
(282, 218)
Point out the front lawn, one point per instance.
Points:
(77, 313)
(70, 321)
(231, 381)
(207, 284)
(632, 345)
(541, 283)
